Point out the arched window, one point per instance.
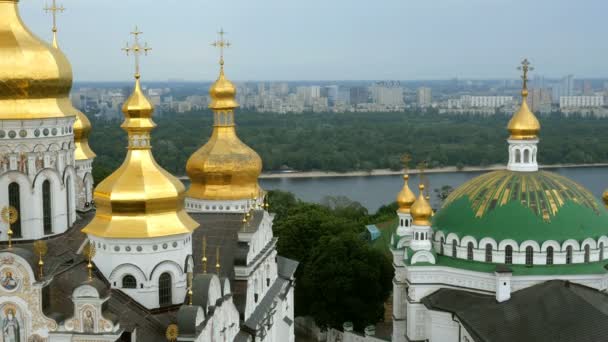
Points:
(68, 190)
(441, 242)
(549, 255)
(601, 251)
(402, 223)
(164, 289)
(587, 252)
(129, 282)
(14, 200)
(470, 251)
(46, 207)
(517, 155)
(526, 156)
(454, 248)
(488, 252)
(508, 255)
(529, 256)
(569, 255)
(407, 222)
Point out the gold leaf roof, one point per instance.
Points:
(405, 197)
(524, 125)
(35, 78)
(421, 210)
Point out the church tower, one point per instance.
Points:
(141, 231)
(37, 166)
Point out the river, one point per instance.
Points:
(375, 191)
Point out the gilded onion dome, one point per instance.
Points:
(140, 199)
(405, 197)
(82, 129)
(224, 168)
(421, 210)
(35, 78)
(524, 125)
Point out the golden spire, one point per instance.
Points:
(41, 249)
(190, 293)
(204, 254)
(405, 197)
(36, 78)
(89, 252)
(53, 9)
(224, 168)
(217, 260)
(140, 199)
(421, 209)
(524, 125)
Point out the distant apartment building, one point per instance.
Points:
(486, 101)
(387, 96)
(540, 100)
(359, 95)
(566, 102)
(424, 97)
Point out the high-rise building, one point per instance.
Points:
(567, 86)
(387, 96)
(424, 97)
(359, 95)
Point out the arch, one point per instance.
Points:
(165, 287)
(39, 148)
(54, 147)
(129, 282)
(14, 200)
(47, 210)
(570, 242)
(508, 242)
(454, 250)
(529, 243)
(489, 250)
(451, 237)
(508, 254)
(468, 239)
(441, 243)
(551, 243)
(550, 253)
(402, 243)
(470, 247)
(166, 266)
(590, 242)
(526, 155)
(587, 252)
(128, 268)
(601, 248)
(488, 240)
(438, 235)
(423, 256)
(529, 255)
(603, 239)
(517, 155)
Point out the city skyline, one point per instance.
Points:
(341, 40)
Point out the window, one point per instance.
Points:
(14, 200)
(569, 255)
(407, 222)
(402, 223)
(68, 189)
(129, 282)
(601, 251)
(454, 248)
(470, 251)
(526, 156)
(529, 256)
(549, 255)
(488, 252)
(46, 207)
(164, 289)
(517, 156)
(508, 255)
(587, 253)
(441, 242)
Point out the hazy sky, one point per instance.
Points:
(332, 39)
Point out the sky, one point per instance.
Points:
(331, 39)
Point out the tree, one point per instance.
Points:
(345, 280)
(442, 193)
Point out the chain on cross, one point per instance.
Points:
(136, 49)
(525, 67)
(221, 44)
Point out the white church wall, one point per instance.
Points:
(441, 327)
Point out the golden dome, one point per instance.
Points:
(605, 197)
(140, 199)
(524, 125)
(82, 129)
(405, 197)
(224, 168)
(421, 210)
(35, 78)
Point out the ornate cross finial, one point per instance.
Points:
(525, 67)
(136, 49)
(221, 44)
(53, 9)
(422, 166)
(9, 216)
(405, 160)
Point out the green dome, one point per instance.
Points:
(522, 206)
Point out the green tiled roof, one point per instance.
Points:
(521, 206)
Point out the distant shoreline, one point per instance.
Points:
(387, 172)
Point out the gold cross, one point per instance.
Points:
(525, 67)
(221, 44)
(54, 9)
(136, 49)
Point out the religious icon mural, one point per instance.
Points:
(88, 322)
(8, 280)
(10, 326)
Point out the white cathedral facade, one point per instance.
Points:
(137, 258)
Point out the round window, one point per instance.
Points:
(54, 131)
(37, 132)
(12, 134)
(23, 133)
(45, 132)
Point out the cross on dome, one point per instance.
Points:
(221, 44)
(136, 49)
(53, 9)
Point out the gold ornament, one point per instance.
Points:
(89, 252)
(172, 332)
(41, 249)
(10, 215)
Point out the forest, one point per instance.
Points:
(358, 141)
